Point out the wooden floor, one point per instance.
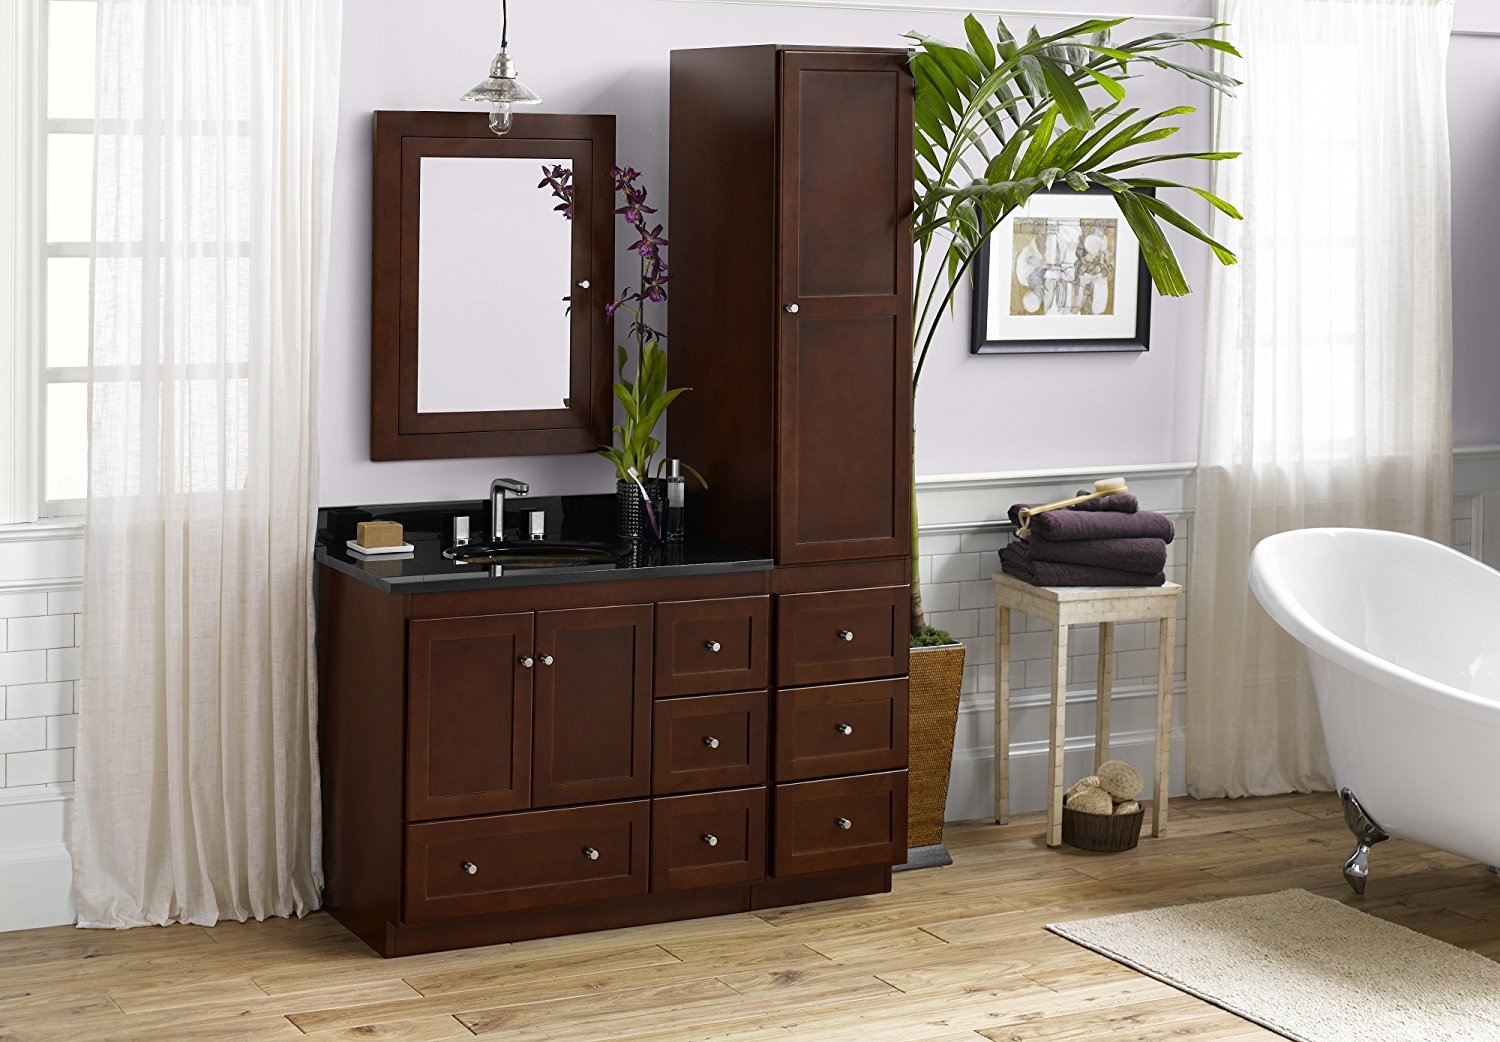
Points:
(953, 954)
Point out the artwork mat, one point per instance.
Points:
(995, 331)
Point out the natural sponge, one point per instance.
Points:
(1091, 782)
(1091, 801)
(1128, 807)
(1120, 780)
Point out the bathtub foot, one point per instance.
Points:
(1366, 835)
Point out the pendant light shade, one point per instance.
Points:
(500, 89)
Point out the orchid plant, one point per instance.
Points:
(645, 396)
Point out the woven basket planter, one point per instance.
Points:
(936, 676)
(1106, 832)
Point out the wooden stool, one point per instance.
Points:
(1065, 606)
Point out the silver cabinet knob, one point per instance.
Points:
(846, 635)
(711, 839)
(526, 660)
(470, 868)
(711, 742)
(844, 823)
(546, 660)
(844, 729)
(712, 645)
(591, 853)
(792, 309)
(584, 284)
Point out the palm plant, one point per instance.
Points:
(998, 120)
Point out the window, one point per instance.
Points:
(66, 202)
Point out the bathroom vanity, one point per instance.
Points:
(516, 751)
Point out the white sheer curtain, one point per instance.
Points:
(197, 794)
(1327, 394)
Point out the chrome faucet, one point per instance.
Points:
(498, 488)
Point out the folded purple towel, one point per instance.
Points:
(1067, 525)
(1125, 555)
(1120, 502)
(1048, 573)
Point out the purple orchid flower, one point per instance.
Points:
(625, 299)
(623, 177)
(654, 283)
(650, 242)
(560, 179)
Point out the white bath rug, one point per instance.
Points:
(1307, 967)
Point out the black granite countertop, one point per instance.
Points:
(571, 520)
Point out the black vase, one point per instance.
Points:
(633, 523)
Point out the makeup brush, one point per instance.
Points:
(1103, 487)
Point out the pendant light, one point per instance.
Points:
(500, 90)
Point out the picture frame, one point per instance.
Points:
(1072, 279)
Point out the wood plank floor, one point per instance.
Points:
(953, 954)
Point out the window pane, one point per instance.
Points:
(67, 311)
(67, 441)
(70, 58)
(70, 187)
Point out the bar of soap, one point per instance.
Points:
(376, 534)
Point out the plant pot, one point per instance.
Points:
(936, 676)
(632, 524)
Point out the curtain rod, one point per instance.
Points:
(1198, 21)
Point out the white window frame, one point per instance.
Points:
(24, 375)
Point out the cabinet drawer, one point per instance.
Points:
(841, 729)
(527, 860)
(842, 635)
(839, 823)
(709, 742)
(715, 839)
(712, 645)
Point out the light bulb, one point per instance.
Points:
(501, 118)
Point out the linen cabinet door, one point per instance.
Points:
(844, 335)
(593, 705)
(469, 702)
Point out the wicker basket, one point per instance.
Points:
(1107, 832)
(936, 677)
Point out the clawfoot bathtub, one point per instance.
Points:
(1403, 637)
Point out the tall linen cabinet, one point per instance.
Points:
(791, 195)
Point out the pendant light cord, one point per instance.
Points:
(504, 23)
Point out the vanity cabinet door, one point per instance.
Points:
(593, 705)
(468, 735)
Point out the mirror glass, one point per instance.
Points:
(493, 287)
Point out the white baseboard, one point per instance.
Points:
(36, 871)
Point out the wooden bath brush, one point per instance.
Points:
(1103, 487)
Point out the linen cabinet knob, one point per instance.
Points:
(711, 839)
(792, 309)
(844, 823)
(591, 853)
(584, 284)
(846, 635)
(546, 660)
(526, 661)
(470, 868)
(844, 729)
(712, 645)
(711, 742)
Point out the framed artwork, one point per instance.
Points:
(1063, 273)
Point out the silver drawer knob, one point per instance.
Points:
(792, 309)
(712, 645)
(526, 660)
(711, 839)
(470, 868)
(584, 284)
(546, 660)
(591, 853)
(844, 823)
(844, 729)
(711, 742)
(846, 635)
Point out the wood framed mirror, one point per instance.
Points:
(488, 334)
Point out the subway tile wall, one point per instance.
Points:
(39, 662)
